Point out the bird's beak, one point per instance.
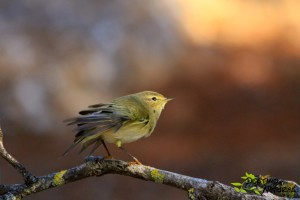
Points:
(168, 99)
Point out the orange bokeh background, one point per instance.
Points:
(232, 66)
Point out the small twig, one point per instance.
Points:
(27, 176)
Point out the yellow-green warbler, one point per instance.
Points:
(123, 120)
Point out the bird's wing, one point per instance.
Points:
(104, 117)
(98, 119)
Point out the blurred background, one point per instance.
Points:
(233, 67)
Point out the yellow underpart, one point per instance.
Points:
(58, 178)
(157, 176)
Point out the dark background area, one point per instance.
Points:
(233, 68)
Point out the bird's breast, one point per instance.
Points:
(128, 133)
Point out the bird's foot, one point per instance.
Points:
(108, 157)
(135, 162)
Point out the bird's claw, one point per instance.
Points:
(135, 162)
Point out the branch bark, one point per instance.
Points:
(98, 166)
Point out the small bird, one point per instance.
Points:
(123, 120)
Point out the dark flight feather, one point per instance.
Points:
(98, 119)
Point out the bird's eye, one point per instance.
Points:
(154, 98)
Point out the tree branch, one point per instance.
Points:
(98, 166)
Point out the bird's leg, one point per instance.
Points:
(108, 153)
(136, 161)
